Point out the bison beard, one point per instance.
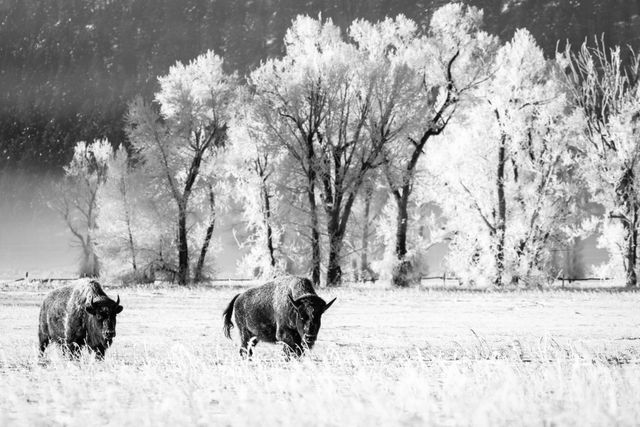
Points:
(286, 310)
(78, 316)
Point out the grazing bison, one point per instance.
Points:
(286, 309)
(78, 315)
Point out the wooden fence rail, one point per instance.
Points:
(444, 278)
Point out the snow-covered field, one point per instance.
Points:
(402, 357)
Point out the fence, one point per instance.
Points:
(444, 279)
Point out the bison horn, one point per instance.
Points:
(329, 304)
(91, 309)
(117, 299)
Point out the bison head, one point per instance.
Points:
(309, 311)
(104, 313)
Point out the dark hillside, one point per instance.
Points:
(68, 68)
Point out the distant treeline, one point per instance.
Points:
(69, 68)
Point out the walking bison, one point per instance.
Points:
(77, 316)
(286, 310)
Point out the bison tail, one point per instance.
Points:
(227, 318)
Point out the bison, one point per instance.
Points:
(77, 316)
(286, 310)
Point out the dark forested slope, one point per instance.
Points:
(68, 68)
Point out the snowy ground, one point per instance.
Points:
(409, 357)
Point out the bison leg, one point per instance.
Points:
(292, 344)
(43, 341)
(99, 351)
(246, 351)
(291, 352)
(247, 342)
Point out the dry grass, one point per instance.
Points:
(384, 358)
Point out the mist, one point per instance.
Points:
(33, 237)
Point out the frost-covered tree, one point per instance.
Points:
(392, 50)
(315, 102)
(505, 177)
(606, 91)
(77, 196)
(116, 213)
(429, 73)
(290, 106)
(363, 235)
(129, 237)
(183, 138)
(254, 166)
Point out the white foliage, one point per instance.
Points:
(456, 23)
(522, 107)
(253, 166)
(312, 104)
(182, 152)
(611, 238)
(606, 94)
(133, 222)
(199, 91)
(76, 197)
(89, 160)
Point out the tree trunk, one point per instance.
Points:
(334, 271)
(267, 223)
(89, 265)
(313, 211)
(127, 214)
(403, 270)
(631, 237)
(197, 276)
(183, 248)
(502, 213)
(315, 235)
(364, 261)
(402, 221)
(632, 244)
(338, 213)
(132, 247)
(627, 198)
